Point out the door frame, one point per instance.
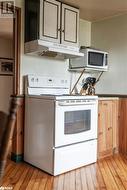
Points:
(17, 49)
(17, 142)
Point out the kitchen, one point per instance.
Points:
(116, 47)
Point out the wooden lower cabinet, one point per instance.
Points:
(123, 126)
(107, 127)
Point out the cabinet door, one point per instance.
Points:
(50, 20)
(70, 25)
(105, 129)
(115, 121)
(101, 129)
(109, 125)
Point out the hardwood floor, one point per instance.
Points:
(107, 174)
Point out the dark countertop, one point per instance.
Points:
(112, 95)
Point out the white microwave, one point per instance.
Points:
(93, 59)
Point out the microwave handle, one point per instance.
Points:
(106, 60)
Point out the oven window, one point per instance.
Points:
(77, 121)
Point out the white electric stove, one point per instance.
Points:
(60, 130)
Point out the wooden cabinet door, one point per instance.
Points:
(50, 20)
(105, 129)
(108, 124)
(101, 129)
(70, 25)
(115, 124)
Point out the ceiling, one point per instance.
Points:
(95, 10)
(6, 28)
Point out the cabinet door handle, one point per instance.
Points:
(109, 128)
(60, 30)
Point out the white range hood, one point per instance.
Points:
(51, 49)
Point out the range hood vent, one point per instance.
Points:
(50, 49)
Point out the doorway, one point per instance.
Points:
(10, 28)
(10, 33)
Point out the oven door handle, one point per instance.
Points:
(76, 103)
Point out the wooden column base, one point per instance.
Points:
(16, 157)
(18, 138)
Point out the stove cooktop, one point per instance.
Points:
(65, 96)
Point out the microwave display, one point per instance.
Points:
(95, 59)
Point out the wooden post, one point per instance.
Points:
(7, 135)
(17, 141)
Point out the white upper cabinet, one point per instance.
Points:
(70, 25)
(59, 22)
(50, 20)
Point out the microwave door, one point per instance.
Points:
(95, 59)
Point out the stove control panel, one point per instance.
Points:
(44, 82)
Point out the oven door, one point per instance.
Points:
(75, 122)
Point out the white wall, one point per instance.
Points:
(46, 66)
(85, 33)
(111, 35)
(6, 48)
